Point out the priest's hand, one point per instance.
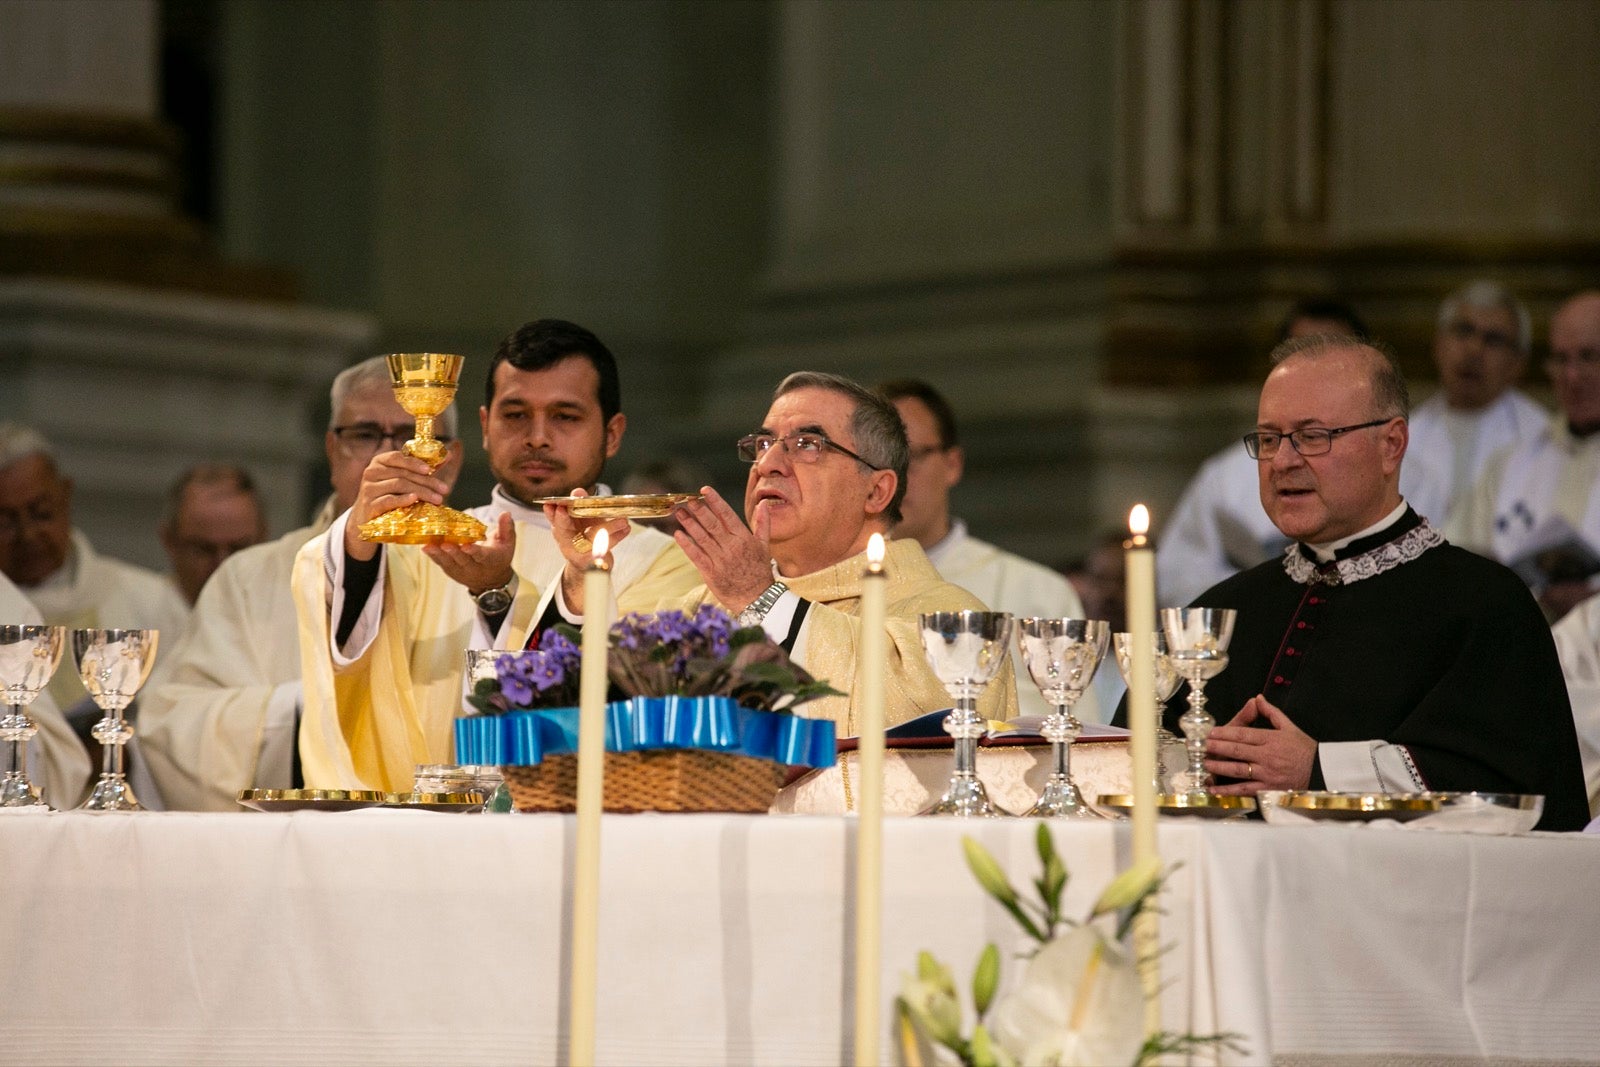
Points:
(482, 566)
(732, 558)
(575, 539)
(1279, 758)
(392, 480)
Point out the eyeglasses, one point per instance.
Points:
(1463, 330)
(1584, 360)
(1311, 441)
(368, 438)
(38, 513)
(803, 447)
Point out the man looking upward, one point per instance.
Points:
(826, 472)
(1374, 656)
(1004, 581)
(384, 628)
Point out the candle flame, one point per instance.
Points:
(875, 549)
(1139, 520)
(602, 542)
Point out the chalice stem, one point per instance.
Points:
(111, 753)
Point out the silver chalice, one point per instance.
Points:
(1062, 655)
(28, 658)
(113, 665)
(966, 650)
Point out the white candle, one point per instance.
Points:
(1141, 608)
(591, 802)
(869, 825)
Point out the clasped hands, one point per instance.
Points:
(1276, 758)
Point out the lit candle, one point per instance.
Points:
(591, 802)
(869, 825)
(1141, 607)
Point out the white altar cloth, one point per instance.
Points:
(410, 937)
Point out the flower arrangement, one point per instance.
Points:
(669, 653)
(1081, 999)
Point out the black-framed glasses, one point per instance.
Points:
(368, 438)
(1311, 441)
(804, 447)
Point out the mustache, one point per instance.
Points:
(541, 456)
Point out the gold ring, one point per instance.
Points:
(583, 544)
(1249, 772)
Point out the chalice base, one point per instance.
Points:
(112, 793)
(966, 798)
(1061, 799)
(17, 792)
(424, 524)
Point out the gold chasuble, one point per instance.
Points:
(367, 725)
(833, 630)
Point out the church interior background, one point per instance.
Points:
(1081, 220)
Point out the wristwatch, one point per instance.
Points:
(757, 610)
(495, 601)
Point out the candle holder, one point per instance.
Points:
(1197, 640)
(966, 650)
(28, 657)
(1062, 655)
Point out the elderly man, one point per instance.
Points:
(1481, 349)
(1535, 508)
(827, 470)
(57, 569)
(384, 629)
(57, 764)
(1004, 581)
(213, 511)
(222, 713)
(1374, 656)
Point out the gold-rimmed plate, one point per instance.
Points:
(444, 802)
(1357, 807)
(1198, 805)
(638, 506)
(310, 799)
(1489, 813)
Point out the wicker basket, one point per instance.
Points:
(668, 780)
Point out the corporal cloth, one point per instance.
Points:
(1413, 663)
(221, 713)
(57, 762)
(1007, 582)
(830, 632)
(387, 701)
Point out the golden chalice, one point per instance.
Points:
(424, 384)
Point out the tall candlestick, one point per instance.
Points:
(1141, 607)
(591, 802)
(869, 825)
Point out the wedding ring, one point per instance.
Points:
(1249, 772)
(583, 544)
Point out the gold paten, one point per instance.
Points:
(424, 384)
(641, 506)
(1204, 805)
(1358, 806)
(309, 799)
(435, 801)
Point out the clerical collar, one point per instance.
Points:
(946, 544)
(1330, 550)
(526, 513)
(1367, 555)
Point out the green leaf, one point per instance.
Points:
(988, 873)
(985, 979)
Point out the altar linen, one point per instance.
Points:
(387, 701)
(830, 632)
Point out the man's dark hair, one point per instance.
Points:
(1321, 307)
(543, 344)
(944, 415)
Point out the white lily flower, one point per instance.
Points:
(1080, 1004)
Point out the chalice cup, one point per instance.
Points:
(28, 658)
(966, 650)
(1062, 655)
(1197, 641)
(113, 665)
(424, 384)
(1167, 680)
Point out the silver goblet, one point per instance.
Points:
(1062, 655)
(28, 657)
(113, 665)
(1197, 640)
(966, 650)
(480, 667)
(1167, 680)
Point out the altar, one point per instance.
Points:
(397, 937)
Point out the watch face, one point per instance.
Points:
(494, 601)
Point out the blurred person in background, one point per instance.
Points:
(671, 475)
(213, 511)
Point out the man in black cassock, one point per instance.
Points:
(1375, 656)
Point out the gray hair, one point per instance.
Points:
(18, 442)
(373, 373)
(880, 436)
(1486, 295)
(226, 476)
(1390, 397)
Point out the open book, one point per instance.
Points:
(1554, 552)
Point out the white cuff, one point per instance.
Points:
(1368, 767)
(366, 627)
